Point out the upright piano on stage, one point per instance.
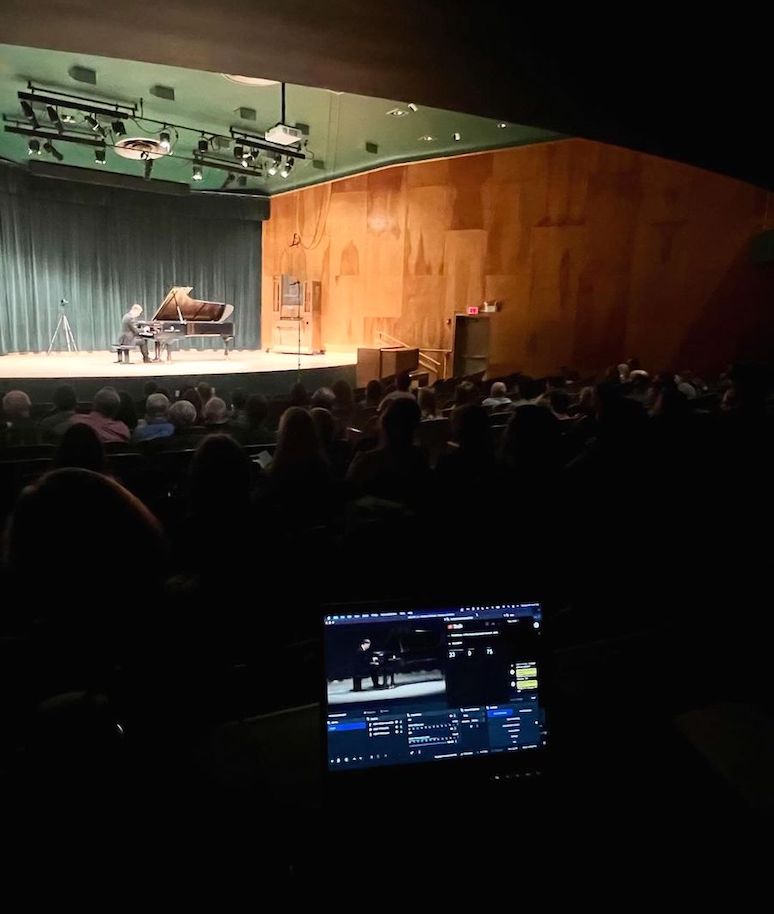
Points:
(181, 317)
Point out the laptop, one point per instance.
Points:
(430, 690)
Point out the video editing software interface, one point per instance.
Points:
(422, 685)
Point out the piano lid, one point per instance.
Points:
(178, 305)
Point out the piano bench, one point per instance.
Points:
(122, 351)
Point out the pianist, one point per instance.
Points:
(130, 333)
(365, 665)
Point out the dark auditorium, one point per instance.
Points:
(386, 427)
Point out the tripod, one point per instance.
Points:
(63, 324)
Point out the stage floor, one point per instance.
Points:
(63, 365)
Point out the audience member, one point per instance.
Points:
(427, 403)
(497, 396)
(472, 461)
(323, 398)
(299, 395)
(373, 395)
(205, 392)
(299, 490)
(531, 445)
(216, 413)
(256, 429)
(182, 415)
(103, 418)
(191, 394)
(559, 404)
(402, 389)
(56, 423)
(81, 447)
(18, 430)
(239, 408)
(684, 385)
(466, 392)
(127, 412)
(335, 448)
(396, 470)
(157, 423)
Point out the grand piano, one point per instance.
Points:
(181, 317)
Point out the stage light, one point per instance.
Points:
(118, 128)
(275, 164)
(54, 152)
(287, 167)
(202, 145)
(33, 148)
(99, 155)
(68, 118)
(247, 161)
(413, 107)
(427, 138)
(502, 125)
(230, 178)
(164, 141)
(92, 122)
(148, 166)
(53, 116)
(29, 113)
(197, 173)
(239, 152)
(456, 136)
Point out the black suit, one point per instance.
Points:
(130, 336)
(364, 667)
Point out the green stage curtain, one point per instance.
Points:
(105, 249)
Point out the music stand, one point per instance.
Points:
(63, 324)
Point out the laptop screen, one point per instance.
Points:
(424, 685)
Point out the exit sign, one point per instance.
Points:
(473, 309)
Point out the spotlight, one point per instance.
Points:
(427, 138)
(202, 145)
(247, 161)
(33, 148)
(502, 125)
(148, 166)
(29, 113)
(413, 107)
(242, 180)
(99, 155)
(53, 116)
(68, 118)
(456, 136)
(92, 122)
(197, 173)
(275, 164)
(54, 152)
(118, 128)
(164, 141)
(229, 180)
(239, 152)
(287, 167)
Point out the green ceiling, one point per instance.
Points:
(340, 124)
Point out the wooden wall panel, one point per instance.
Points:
(598, 253)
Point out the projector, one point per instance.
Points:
(283, 135)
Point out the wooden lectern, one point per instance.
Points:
(384, 362)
